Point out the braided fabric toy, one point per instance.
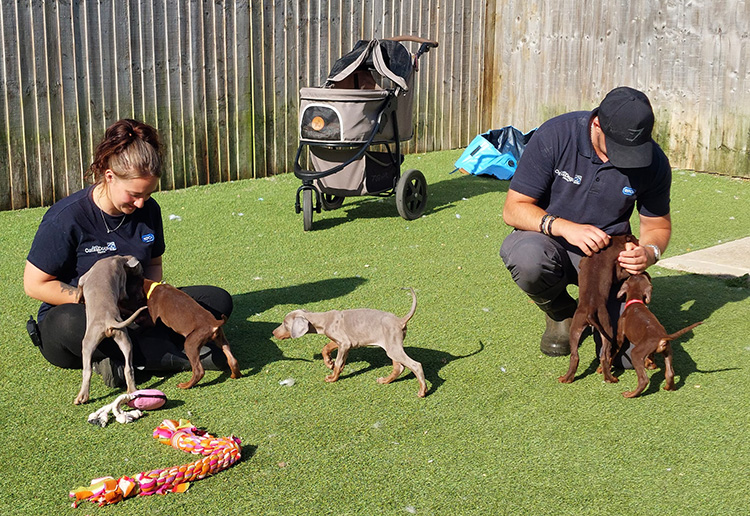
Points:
(218, 454)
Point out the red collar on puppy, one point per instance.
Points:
(634, 301)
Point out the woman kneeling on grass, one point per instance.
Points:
(114, 216)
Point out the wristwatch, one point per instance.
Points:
(657, 251)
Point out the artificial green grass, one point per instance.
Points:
(497, 434)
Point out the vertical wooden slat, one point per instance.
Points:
(159, 88)
(14, 179)
(27, 75)
(6, 188)
(41, 178)
(210, 100)
(257, 50)
(246, 154)
(225, 133)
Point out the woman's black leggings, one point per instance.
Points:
(154, 347)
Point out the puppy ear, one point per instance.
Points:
(647, 293)
(623, 290)
(300, 326)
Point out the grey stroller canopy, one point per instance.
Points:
(389, 58)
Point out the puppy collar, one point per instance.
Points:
(151, 289)
(631, 302)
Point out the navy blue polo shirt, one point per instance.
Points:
(72, 237)
(560, 169)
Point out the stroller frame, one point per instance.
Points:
(346, 150)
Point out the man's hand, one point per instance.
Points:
(654, 231)
(636, 259)
(589, 239)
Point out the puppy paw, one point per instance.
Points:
(331, 378)
(565, 379)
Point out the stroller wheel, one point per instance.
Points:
(331, 202)
(307, 209)
(411, 194)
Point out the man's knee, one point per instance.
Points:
(534, 261)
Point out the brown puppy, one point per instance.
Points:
(642, 329)
(349, 329)
(185, 316)
(596, 275)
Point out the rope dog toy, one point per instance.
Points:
(144, 399)
(218, 454)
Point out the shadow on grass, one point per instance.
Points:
(679, 301)
(440, 196)
(432, 361)
(253, 343)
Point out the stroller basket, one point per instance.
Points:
(375, 172)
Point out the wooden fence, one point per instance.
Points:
(220, 78)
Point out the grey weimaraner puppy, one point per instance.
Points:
(349, 329)
(101, 288)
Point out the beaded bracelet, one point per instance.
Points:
(546, 223)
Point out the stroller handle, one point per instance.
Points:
(426, 44)
(415, 39)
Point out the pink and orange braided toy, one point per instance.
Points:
(218, 454)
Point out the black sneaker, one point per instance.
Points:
(212, 359)
(112, 373)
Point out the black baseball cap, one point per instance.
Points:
(626, 118)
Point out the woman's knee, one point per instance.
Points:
(62, 331)
(214, 299)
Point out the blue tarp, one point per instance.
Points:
(494, 153)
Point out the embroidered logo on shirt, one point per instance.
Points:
(101, 249)
(147, 238)
(563, 174)
(628, 191)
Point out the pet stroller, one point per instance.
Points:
(353, 127)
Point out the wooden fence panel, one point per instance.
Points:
(220, 79)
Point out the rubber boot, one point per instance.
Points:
(559, 316)
(556, 337)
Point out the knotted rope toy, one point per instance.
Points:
(144, 399)
(218, 454)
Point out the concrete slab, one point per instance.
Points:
(728, 259)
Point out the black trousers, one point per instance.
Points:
(155, 348)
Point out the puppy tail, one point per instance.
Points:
(405, 319)
(681, 332)
(126, 322)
